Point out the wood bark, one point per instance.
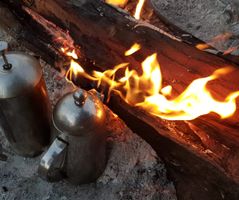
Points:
(205, 150)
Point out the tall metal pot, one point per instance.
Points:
(24, 103)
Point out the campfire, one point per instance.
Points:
(146, 90)
(182, 100)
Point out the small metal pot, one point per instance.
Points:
(24, 104)
(80, 147)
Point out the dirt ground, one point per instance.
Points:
(133, 172)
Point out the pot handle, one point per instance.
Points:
(53, 162)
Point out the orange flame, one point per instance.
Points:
(136, 47)
(120, 3)
(139, 8)
(146, 90)
(195, 101)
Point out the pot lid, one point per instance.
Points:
(24, 74)
(79, 113)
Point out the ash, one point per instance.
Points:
(133, 172)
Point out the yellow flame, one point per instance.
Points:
(146, 90)
(136, 47)
(120, 3)
(74, 70)
(167, 91)
(139, 9)
(71, 54)
(195, 101)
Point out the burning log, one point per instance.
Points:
(205, 148)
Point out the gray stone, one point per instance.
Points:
(204, 19)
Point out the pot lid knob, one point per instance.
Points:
(80, 97)
(3, 48)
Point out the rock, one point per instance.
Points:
(204, 19)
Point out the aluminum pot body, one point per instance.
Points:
(24, 106)
(86, 157)
(25, 121)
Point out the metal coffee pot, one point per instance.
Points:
(24, 104)
(79, 150)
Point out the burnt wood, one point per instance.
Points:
(202, 155)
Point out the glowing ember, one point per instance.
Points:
(146, 90)
(218, 41)
(120, 3)
(230, 50)
(133, 49)
(202, 46)
(139, 9)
